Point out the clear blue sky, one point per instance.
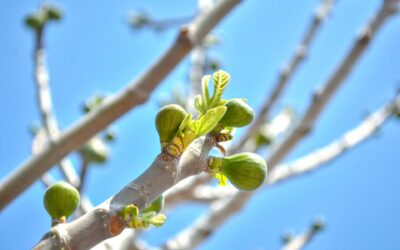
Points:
(93, 51)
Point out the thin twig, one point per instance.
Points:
(222, 210)
(49, 120)
(321, 13)
(300, 241)
(83, 173)
(114, 107)
(333, 150)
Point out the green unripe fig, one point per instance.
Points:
(246, 171)
(61, 200)
(168, 120)
(238, 114)
(155, 206)
(34, 22)
(95, 151)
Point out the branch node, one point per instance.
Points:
(184, 38)
(116, 225)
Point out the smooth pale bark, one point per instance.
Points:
(181, 191)
(103, 222)
(320, 15)
(49, 121)
(223, 209)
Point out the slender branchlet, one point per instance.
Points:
(321, 13)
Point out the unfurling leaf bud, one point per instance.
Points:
(238, 114)
(158, 220)
(95, 151)
(246, 171)
(168, 120)
(155, 206)
(61, 200)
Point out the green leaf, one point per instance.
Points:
(155, 206)
(198, 103)
(206, 123)
(184, 124)
(204, 89)
(148, 215)
(158, 220)
(221, 80)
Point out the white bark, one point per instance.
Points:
(183, 191)
(222, 210)
(321, 13)
(49, 120)
(103, 222)
(114, 107)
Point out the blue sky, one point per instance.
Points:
(93, 51)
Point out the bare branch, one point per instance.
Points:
(184, 190)
(333, 150)
(321, 13)
(114, 107)
(83, 173)
(302, 240)
(45, 104)
(222, 210)
(321, 97)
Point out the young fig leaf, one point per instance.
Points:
(206, 123)
(185, 123)
(155, 206)
(204, 89)
(198, 103)
(221, 80)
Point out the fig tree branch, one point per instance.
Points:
(286, 73)
(222, 210)
(103, 222)
(49, 120)
(302, 240)
(322, 11)
(332, 151)
(114, 107)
